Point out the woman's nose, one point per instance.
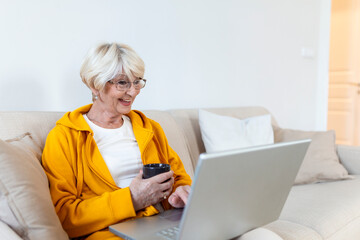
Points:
(131, 90)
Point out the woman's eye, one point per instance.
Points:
(122, 82)
(136, 82)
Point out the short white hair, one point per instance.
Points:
(106, 61)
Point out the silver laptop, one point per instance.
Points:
(232, 192)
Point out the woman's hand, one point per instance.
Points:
(146, 192)
(179, 198)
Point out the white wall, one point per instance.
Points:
(197, 53)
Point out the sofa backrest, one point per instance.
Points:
(39, 124)
(188, 120)
(181, 127)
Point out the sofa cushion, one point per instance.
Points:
(321, 162)
(188, 120)
(25, 200)
(221, 133)
(7, 233)
(292, 231)
(259, 233)
(330, 208)
(350, 158)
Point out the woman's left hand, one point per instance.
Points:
(178, 199)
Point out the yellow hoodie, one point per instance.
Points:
(83, 191)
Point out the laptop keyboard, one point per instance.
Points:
(170, 233)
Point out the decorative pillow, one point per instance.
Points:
(25, 202)
(224, 133)
(321, 162)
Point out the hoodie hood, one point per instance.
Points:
(76, 121)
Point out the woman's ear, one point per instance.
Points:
(95, 94)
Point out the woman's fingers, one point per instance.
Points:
(162, 177)
(153, 190)
(176, 201)
(168, 189)
(180, 197)
(166, 185)
(150, 191)
(164, 182)
(183, 194)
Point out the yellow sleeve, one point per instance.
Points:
(181, 177)
(80, 212)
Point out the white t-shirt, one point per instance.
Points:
(119, 150)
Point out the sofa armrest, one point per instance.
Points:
(7, 233)
(350, 158)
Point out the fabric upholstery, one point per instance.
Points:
(220, 133)
(25, 200)
(292, 231)
(259, 233)
(349, 231)
(13, 124)
(327, 207)
(321, 162)
(188, 120)
(322, 211)
(350, 158)
(7, 233)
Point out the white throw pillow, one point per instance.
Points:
(221, 133)
(25, 202)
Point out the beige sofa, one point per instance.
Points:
(328, 210)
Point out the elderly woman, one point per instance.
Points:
(94, 155)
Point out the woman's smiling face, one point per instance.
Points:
(114, 101)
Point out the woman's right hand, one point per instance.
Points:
(146, 192)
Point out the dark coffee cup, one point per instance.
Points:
(150, 170)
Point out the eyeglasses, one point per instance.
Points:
(123, 84)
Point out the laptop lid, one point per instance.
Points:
(236, 191)
(232, 192)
